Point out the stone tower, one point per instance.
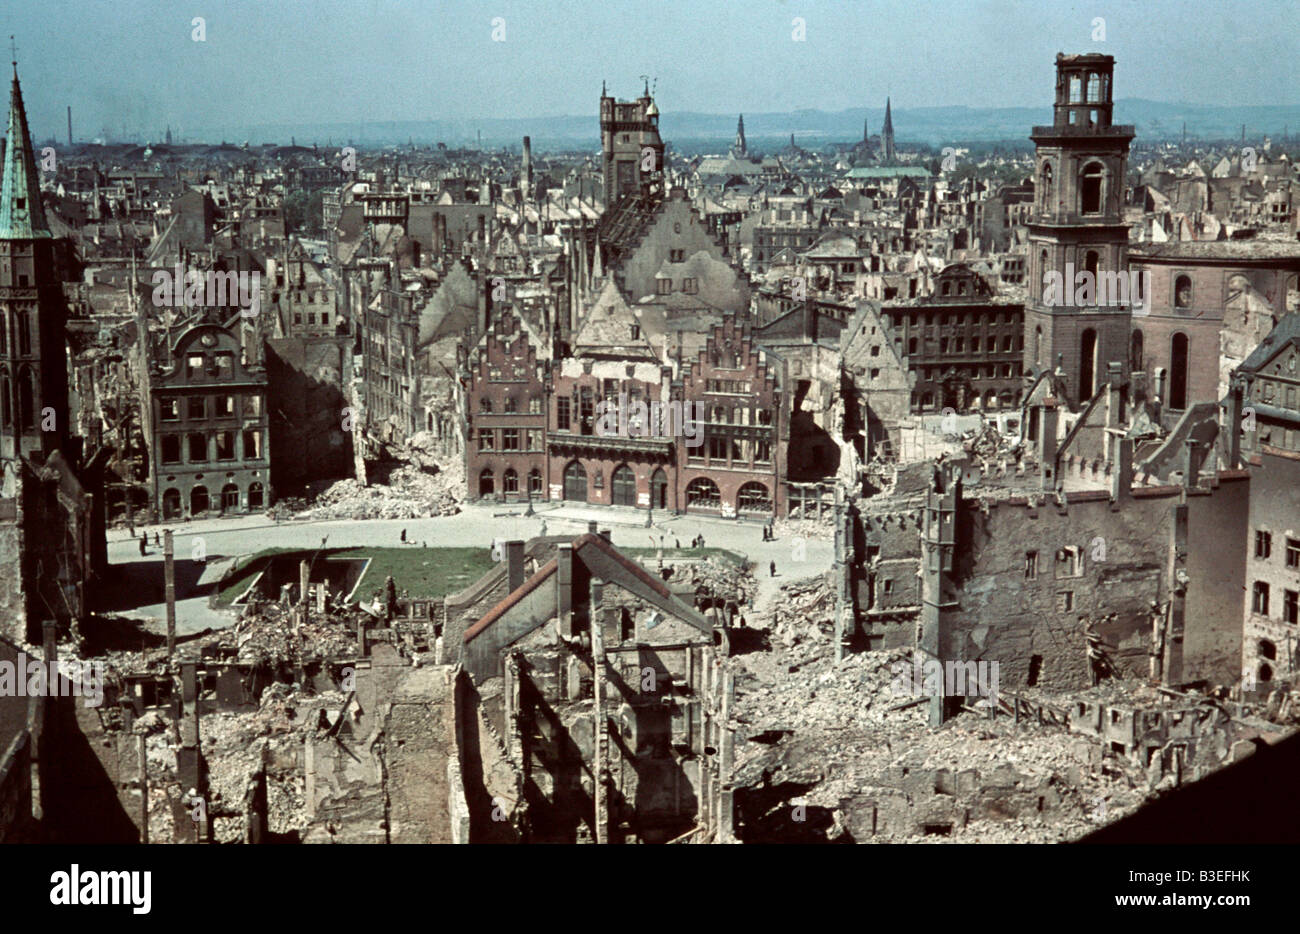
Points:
(1077, 226)
(633, 152)
(33, 356)
(526, 171)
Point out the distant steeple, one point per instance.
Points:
(739, 149)
(887, 134)
(168, 138)
(866, 133)
(22, 217)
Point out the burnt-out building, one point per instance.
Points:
(599, 705)
(206, 420)
(1077, 226)
(963, 344)
(506, 403)
(1267, 386)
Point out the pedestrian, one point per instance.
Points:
(157, 539)
(543, 528)
(701, 541)
(677, 543)
(772, 568)
(403, 536)
(143, 551)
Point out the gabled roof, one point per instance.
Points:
(615, 568)
(1286, 332)
(607, 328)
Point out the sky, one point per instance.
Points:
(136, 64)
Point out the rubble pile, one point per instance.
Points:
(848, 735)
(411, 493)
(788, 530)
(718, 579)
(265, 634)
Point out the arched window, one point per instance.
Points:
(1045, 186)
(753, 497)
(26, 413)
(229, 498)
(702, 493)
(535, 481)
(199, 501)
(623, 486)
(1043, 268)
(1178, 371)
(1087, 364)
(256, 496)
(510, 481)
(171, 504)
(575, 482)
(486, 482)
(1090, 188)
(1183, 292)
(1091, 262)
(6, 406)
(1135, 354)
(1038, 345)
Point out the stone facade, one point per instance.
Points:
(207, 425)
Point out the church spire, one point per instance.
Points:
(887, 134)
(22, 217)
(739, 149)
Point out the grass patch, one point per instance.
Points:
(423, 572)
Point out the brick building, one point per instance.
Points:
(963, 344)
(506, 411)
(737, 468)
(206, 421)
(1211, 304)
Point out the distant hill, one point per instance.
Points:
(935, 126)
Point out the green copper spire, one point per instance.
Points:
(21, 215)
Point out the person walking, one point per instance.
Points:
(403, 536)
(143, 549)
(772, 568)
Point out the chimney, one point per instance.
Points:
(606, 535)
(1121, 472)
(514, 565)
(1047, 422)
(1192, 465)
(1234, 425)
(564, 588)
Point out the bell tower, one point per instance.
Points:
(1077, 228)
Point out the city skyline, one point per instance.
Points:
(256, 65)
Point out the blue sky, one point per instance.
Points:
(134, 63)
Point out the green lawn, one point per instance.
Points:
(423, 572)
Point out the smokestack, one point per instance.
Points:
(1121, 472)
(1047, 422)
(69, 124)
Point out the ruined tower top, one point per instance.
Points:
(1083, 91)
